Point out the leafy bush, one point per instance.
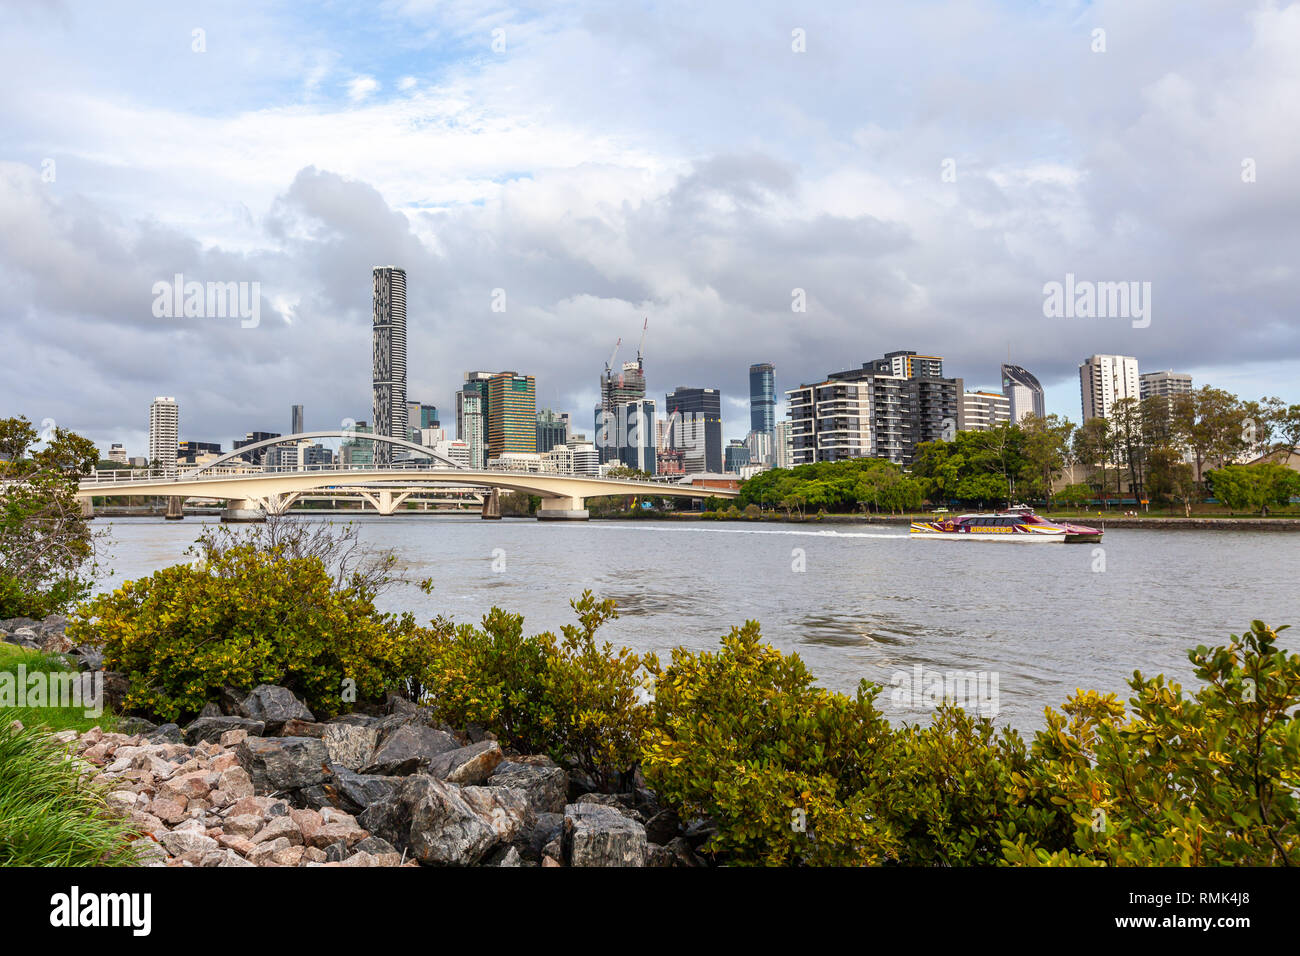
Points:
(571, 698)
(242, 617)
(1207, 779)
(789, 771)
(49, 814)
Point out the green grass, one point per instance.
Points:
(49, 814)
(51, 718)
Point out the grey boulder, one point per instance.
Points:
(283, 763)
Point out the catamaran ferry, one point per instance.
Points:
(1018, 524)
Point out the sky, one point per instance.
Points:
(915, 173)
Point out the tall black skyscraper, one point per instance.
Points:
(389, 359)
(762, 398)
(695, 427)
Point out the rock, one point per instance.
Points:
(210, 710)
(273, 706)
(547, 827)
(656, 855)
(169, 811)
(283, 763)
(349, 745)
(278, 828)
(88, 658)
(553, 854)
(505, 856)
(663, 827)
(132, 726)
(430, 819)
(506, 810)
(212, 729)
(179, 842)
(409, 749)
(301, 728)
(288, 856)
(597, 835)
(547, 787)
(699, 831)
(116, 686)
(619, 802)
(166, 734)
(55, 642)
(684, 853)
(467, 765)
(243, 825)
(328, 834)
(376, 846)
(336, 852)
(263, 852)
(348, 791)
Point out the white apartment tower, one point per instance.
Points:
(1104, 380)
(1165, 384)
(164, 433)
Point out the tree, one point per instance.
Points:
(1254, 487)
(1209, 422)
(45, 540)
(1047, 445)
(1091, 445)
(1169, 478)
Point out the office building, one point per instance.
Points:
(471, 418)
(670, 461)
(258, 455)
(552, 429)
(512, 416)
(1165, 384)
(164, 434)
(981, 411)
(695, 427)
(358, 450)
(117, 453)
(636, 444)
(762, 398)
(1024, 392)
(783, 446)
(1104, 380)
(389, 359)
(295, 420)
(736, 456)
(190, 452)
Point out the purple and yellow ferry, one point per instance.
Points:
(1017, 524)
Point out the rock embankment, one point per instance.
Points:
(259, 781)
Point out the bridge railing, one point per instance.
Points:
(153, 475)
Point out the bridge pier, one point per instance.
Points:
(242, 510)
(175, 508)
(562, 509)
(492, 505)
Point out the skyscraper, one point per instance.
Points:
(1104, 380)
(164, 433)
(1025, 392)
(1163, 384)
(981, 411)
(695, 427)
(295, 415)
(762, 398)
(552, 429)
(471, 421)
(389, 358)
(636, 443)
(512, 416)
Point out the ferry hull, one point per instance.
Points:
(1014, 538)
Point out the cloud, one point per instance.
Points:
(360, 87)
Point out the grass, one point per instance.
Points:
(51, 718)
(50, 815)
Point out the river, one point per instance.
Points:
(856, 602)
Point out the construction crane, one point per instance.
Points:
(612, 355)
(641, 344)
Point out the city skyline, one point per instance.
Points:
(861, 180)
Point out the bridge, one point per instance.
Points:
(250, 495)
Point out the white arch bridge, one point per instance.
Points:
(250, 495)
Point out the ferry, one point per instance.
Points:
(1017, 524)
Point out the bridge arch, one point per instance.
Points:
(339, 433)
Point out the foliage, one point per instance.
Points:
(245, 614)
(51, 718)
(1201, 780)
(50, 815)
(572, 698)
(46, 546)
(833, 486)
(1254, 487)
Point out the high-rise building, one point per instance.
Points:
(981, 411)
(389, 359)
(356, 449)
(695, 427)
(783, 446)
(736, 456)
(1025, 393)
(762, 398)
(1165, 384)
(512, 416)
(471, 423)
(295, 416)
(164, 433)
(1104, 380)
(552, 429)
(882, 410)
(636, 443)
(117, 453)
(190, 452)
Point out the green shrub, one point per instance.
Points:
(572, 698)
(245, 616)
(1203, 780)
(789, 771)
(49, 814)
